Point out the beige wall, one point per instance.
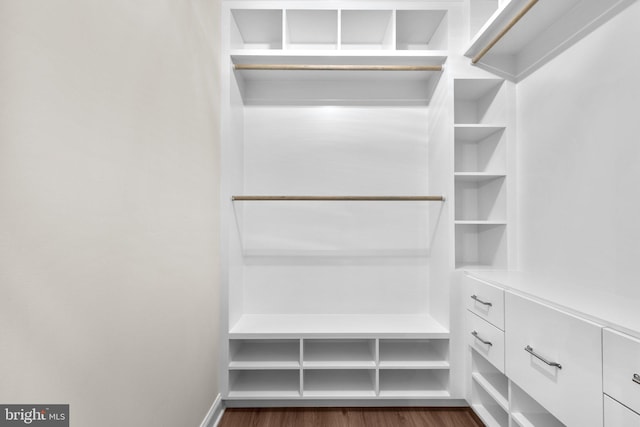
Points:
(109, 208)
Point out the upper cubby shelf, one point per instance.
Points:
(522, 35)
(324, 29)
(411, 83)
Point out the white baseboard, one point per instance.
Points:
(214, 415)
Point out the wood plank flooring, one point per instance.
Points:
(349, 417)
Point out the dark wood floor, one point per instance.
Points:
(349, 417)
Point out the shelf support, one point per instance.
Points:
(504, 31)
(317, 67)
(342, 198)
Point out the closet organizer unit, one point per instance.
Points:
(327, 204)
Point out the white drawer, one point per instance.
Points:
(621, 358)
(486, 339)
(485, 300)
(571, 392)
(617, 415)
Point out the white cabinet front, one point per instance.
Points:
(486, 339)
(617, 415)
(621, 372)
(485, 300)
(556, 358)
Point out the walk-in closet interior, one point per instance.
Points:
(432, 203)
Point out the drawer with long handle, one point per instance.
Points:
(556, 358)
(485, 300)
(486, 339)
(621, 371)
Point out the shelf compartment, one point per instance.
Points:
(414, 383)
(311, 29)
(546, 30)
(487, 409)
(264, 354)
(480, 148)
(342, 353)
(405, 354)
(339, 383)
(480, 197)
(526, 412)
(480, 101)
(337, 87)
(256, 29)
(481, 246)
(367, 29)
(494, 382)
(264, 383)
(421, 30)
(331, 326)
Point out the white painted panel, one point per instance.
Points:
(486, 333)
(621, 358)
(617, 415)
(484, 294)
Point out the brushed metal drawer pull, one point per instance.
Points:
(476, 336)
(529, 350)
(488, 304)
(636, 378)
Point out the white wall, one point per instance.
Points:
(579, 188)
(109, 201)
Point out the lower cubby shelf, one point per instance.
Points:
(333, 383)
(414, 383)
(274, 384)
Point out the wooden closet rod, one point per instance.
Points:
(316, 67)
(504, 31)
(343, 198)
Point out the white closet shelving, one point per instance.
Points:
(480, 117)
(547, 29)
(331, 299)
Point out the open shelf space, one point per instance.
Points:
(267, 384)
(421, 30)
(337, 325)
(480, 197)
(339, 383)
(339, 353)
(337, 87)
(526, 412)
(480, 101)
(481, 246)
(414, 383)
(480, 149)
(487, 409)
(367, 29)
(311, 29)
(398, 353)
(264, 354)
(549, 28)
(489, 378)
(256, 29)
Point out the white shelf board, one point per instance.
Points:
(460, 222)
(476, 132)
(478, 176)
(265, 395)
(339, 365)
(535, 420)
(546, 30)
(337, 326)
(383, 57)
(415, 394)
(485, 382)
(338, 394)
(486, 416)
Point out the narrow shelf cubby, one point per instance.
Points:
(526, 412)
(264, 383)
(480, 101)
(481, 245)
(342, 353)
(339, 383)
(265, 354)
(256, 29)
(480, 197)
(367, 29)
(311, 29)
(401, 353)
(421, 30)
(486, 408)
(490, 379)
(414, 383)
(480, 149)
